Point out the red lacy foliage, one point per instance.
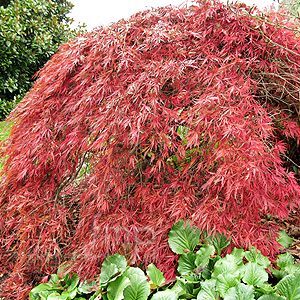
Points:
(176, 113)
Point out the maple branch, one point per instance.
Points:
(260, 31)
(71, 177)
(290, 160)
(284, 155)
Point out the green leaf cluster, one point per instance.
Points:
(62, 287)
(31, 32)
(203, 274)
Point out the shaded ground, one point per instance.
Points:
(293, 231)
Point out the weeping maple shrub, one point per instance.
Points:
(177, 113)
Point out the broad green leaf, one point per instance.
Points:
(70, 295)
(139, 288)
(254, 274)
(45, 294)
(279, 274)
(34, 296)
(56, 296)
(96, 296)
(254, 255)
(292, 269)
(285, 260)
(192, 278)
(183, 237)
(115, 288)
(186, 263)
(42, 287)
(219, 241)
(86, 288)
(54, 278)
(116, 259)
(73, 282)
(239, 254)
(134, 271)
(265, 288)
(177, 286)
(206, 273)
(185, 284)
(271, 297)
(224, 282)
(289, 287)
(62, 269)
(284, 240)
(237, 261)
(204, 254)
(231, 258)
(155, 275)
(208, 290)
(107, 272)
(240, 292)
(165, 295)
(225, 266)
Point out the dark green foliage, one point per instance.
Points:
(30, 33)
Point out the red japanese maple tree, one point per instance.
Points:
(177, 113)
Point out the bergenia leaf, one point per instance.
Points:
(289, 287)
(254, 255)
(208, 290)
(284, 240)
(224, 282)
(225, 266)
(134, 271)
(186, 263)
(240, 292)
(116, 288)
(73, 282)
(204, 254)
(56, 296)
(183, 237)
(219, 241)
(42, 287)
(165, 295)
(62, 269)
(155, 275)
(116, 259)
(265, 288)
(292, 269)
(271, 297)
(107, 272)
(254, 274)
(239, 254)
(139, 289)
(285, 259)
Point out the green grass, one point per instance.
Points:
(4, 133)
(4, 130)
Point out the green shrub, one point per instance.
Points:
(31, 32)
(202, 274)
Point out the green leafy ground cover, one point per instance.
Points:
(203, 274)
